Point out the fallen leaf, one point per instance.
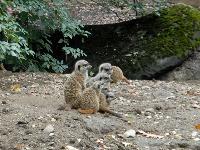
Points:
(197, 126)
(149, 134)
(15, 88)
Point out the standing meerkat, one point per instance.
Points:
(117, 75)
(75, 83)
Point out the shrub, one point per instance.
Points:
(25, 32)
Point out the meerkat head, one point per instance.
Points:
(106, 68)
(82, 66)
(110, 96)
(103, 77)
(97, 85)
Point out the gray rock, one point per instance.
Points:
(101, 125)
(189, 70)
(49, 128)
(130, 133)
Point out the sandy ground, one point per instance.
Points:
(166, 112)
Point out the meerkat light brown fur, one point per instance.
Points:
(117, 75)
(75, 83)
(104, 103)
(89, 100)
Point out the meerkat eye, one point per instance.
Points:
(100, 78)
(106, 78)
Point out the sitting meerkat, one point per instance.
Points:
(75, 83)
(104, 74)
(89, 100)
(105, 98)
(104, 77)
(114, 71)
(117, 75)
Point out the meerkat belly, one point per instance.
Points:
(72, 93)
(117, 75)
(102, 102)
(89, 100)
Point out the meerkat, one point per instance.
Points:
(104, 77)
(117, 75)
(89, 100)
(106, 68)
(76, 83)
(105, 71)
(104, 102)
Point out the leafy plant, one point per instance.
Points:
(13, 43)
(26, 27)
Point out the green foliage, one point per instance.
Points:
(26, 27)
(174, 33)
(13, 43)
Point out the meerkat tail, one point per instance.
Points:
(111, 112)
(86, 111)
(126, 80)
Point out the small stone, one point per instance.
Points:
(4, 102)
(194, 134)
(51, 134)
(130, 133)
(7, 94)
(149, 117)
(70, 148)
(49, 128)
(167, 134)
(173, 132)
(39, 118)
(53, 119)
(5, 110)
(197, 139)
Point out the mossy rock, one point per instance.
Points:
(147, 46)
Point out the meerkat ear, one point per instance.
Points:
(101, 69)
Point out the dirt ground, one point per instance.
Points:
(162, 114)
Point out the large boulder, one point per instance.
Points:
(189, 70)
(146, 47)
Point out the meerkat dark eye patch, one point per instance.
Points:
(106, 69)
(99, 86)
(79, 67)
(100, 78)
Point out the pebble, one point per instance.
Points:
(49, 128)
(70, 148)
(130, 133)
(197, 139)
(194, 133)
(53, 119)
(4, 102)
(51, 134)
